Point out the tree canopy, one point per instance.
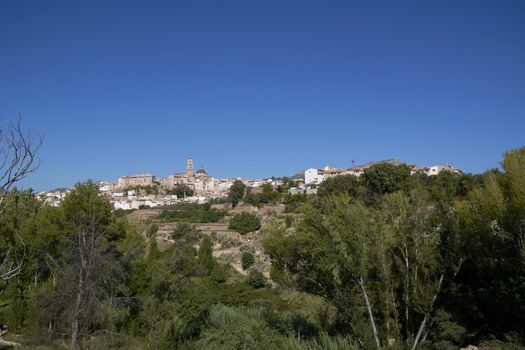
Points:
(388, 260)
(244, 223)
(236, 193)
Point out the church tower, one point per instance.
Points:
(189, 167)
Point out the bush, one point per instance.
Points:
(247, 260)
(256, 279)
(181, 191)
(185, 231)
(323, 342)
(256, 199)
(238, 328)
(191, 212)
(294, 201)
(152, 230)
(244, 223)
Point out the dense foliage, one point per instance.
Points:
(143, 189)
(266, 195)
(191, 212)
(247, 260)
(414, 261)
(388, 260)
(236, 193)
(244, 223)
(181, 191)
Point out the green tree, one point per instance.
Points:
(447, 186)
(337, 185)
(255, 199)
(236, 193)
(76, 302)
(269, 192)
(385, 262)
(181, 191)
(514, 166)
(385, 178)
(489, 291)
(205, 254)
(186, 232)
(244, 223)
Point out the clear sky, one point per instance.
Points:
(262, 88)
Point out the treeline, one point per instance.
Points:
(89, 280)
(412, 261)
(388, 260)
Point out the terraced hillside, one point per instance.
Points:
(228, 245)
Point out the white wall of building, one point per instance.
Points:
(312, 176)
(436, 169)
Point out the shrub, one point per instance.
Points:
(247, 260)
(244, 223)
(191, 212)
(238, 328)
(185, 231)
(256, 279)
(152, 230)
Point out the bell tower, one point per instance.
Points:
(189, 167)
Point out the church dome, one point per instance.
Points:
(201, 171)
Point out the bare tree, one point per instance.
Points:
(18, 158)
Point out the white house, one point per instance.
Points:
(124, 205)
(436, 169)
(104, 186)
(223, 184)
(313, 176)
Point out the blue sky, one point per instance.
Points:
(261, 88)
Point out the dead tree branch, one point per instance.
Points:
(18, 158)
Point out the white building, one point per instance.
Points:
(104, 186)
(436, 169)
(223, 185)
(313, 176)
(123, 204)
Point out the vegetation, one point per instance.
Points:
(143, 189)
(236, 193)
(186, 232)
(256, 199)
(267, 195)
(344, 184)
(244, 223)
(385, 261)
(191, 212)
(294, 202)
(247, 260)
(181, 191)
(256, 279)
(411, 261)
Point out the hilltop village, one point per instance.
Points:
(195, 201)
(148, 191)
